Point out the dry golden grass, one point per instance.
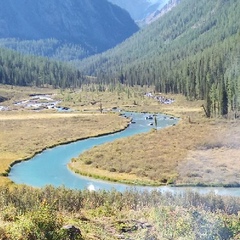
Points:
(191, 152)
(151, 158)
(85, 99)
(24, 132)
(217, 160)
(171, 155)
(14, 93)
(23, 135)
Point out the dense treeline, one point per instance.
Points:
(193, 50)
(51, 48)
(211, 75)
(17, 69)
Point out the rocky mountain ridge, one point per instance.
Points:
(145, 12)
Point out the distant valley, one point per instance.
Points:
(83, 69)
(145, 12)
(191, 50)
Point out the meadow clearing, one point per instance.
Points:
(192, 152)
(195, 151)
(25, 132)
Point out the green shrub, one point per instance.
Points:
(3, 234)
(42, 224)
(9, 213)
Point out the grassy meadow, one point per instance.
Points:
(24, 132)
(195, 151)
(200, 153)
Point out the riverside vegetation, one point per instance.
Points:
(197, 151)
(29, 213)
(193, 51)
(24, 132)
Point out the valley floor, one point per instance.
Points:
(197, 151)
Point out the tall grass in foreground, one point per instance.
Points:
(110, 214)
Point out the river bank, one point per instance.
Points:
(196, 152)
(50, 167)
(130, 214)
(23, 135)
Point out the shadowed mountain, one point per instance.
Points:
(93, 26)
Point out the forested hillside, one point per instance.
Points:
(69, 29)
(193, 50)
(17, 69)
(51, 48)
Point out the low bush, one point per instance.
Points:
(27, 213)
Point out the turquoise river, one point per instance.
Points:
(50, 166)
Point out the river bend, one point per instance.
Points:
(50, 166)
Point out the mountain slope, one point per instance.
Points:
(202, 24)
(192, 50)
(136, 8)
(18, 69)
(165, 7)
(141, 9)
(94, 25)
